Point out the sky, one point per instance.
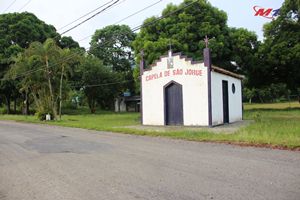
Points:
(61, 12)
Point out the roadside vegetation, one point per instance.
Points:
(274, 125)
(43, 72)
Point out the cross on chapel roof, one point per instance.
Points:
(206, 40)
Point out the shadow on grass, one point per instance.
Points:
(273, 109)
(85, 111)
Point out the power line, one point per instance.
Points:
(89, 18)
(9, 6)
(131, 15)
(43, 67)
(85, 14)
(105, 84)
(106, 8)
(134, 29)
(162, 17)
(143, 9)
(102, 84)
(24, 5)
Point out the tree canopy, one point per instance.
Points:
(56, 66)
(42, 69)
(99, 83)
(18, 31)
(278, 58)
(68, 42)
(22, 29)
(112, 45)
(185, 30)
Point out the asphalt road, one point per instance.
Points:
(44, 162)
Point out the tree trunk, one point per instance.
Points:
(7, 104)
(26, 103)
(60, 91)
(27, 107)
(91, 103)
(261, 99)
(50, 90)
(93, 106)
(15, 105)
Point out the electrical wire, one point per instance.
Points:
(89, 18)
(143, 9)
(71, 56)
(24, 5)
(139, 11)
(162, 17)
(85, 15)
(134, 29)
(9, 6)
(123, 19)
(102, 84)
(43, 67)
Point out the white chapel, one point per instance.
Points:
(179, 91)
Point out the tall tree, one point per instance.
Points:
(17, 31)
(68, 42)
(243, 46)
(8, 87)
(42, 69)
(113, 45)
(22, 29)
(279, 57)
(69, 59)
(185, 30)
(99, 83)
(184, 27)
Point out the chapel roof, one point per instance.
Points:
(187, 59)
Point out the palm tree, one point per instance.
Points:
(37, 75)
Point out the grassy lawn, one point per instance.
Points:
(266, 106)
(275, 125)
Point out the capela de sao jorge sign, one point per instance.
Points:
(174, 72)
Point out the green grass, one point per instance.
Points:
(101, 121)
(275, 125)
(272, 106)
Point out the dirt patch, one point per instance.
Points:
(269, 146)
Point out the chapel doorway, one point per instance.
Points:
(173, 104)
(225, 102)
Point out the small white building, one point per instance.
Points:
(179, 91)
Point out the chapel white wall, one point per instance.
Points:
(234, 100)
(194, 91)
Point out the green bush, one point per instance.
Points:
(3, 110)
(273, 93)
(41, 115)
(69, 105)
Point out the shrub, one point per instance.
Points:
(41, 114)
(3, 110)
(273, 93)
